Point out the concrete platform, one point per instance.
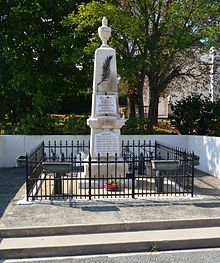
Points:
(206, 204)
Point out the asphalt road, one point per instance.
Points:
(186, 256)
(11, 179)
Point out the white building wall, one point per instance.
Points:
(207, 148)
(209, 86)
(198, 85)
(215, 73)
(12, 146)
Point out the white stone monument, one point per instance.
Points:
(105, 121)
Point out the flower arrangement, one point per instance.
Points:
(111, 184)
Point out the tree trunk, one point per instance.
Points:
(153, 107)
(141, 104)
(140, 100)
(131, 106)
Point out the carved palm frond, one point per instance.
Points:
(106, 71)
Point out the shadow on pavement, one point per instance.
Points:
(208, 192)
(208, 205)
(11, 179)
(100, 209)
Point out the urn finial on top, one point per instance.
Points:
(104, 32)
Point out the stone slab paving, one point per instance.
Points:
(206, 204)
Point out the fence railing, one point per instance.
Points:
(63, 170)
(34, 169)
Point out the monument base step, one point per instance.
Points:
(100, 183)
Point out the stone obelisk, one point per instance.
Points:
(105, 121)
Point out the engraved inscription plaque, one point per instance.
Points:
(106, 104)
(106, 142)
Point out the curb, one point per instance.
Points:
(105, 228)
(93, 244)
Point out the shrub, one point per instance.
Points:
(134, 126)
(196, 115)
(31, 124)
(76, 125)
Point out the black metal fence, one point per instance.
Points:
(34, 170)
(61, 171)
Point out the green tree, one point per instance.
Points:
(38, 57)
(150, 37)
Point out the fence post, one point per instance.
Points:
(42, 151)
(133, 176)
(155, 149)
(192, 191)
(27, 194)
(122, 148)
(90, 177)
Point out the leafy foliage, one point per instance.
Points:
(149, 37)
(38, 58)
(42, 42)
(76, 125)
(133, 126)
(32, 124)
(197, 115)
